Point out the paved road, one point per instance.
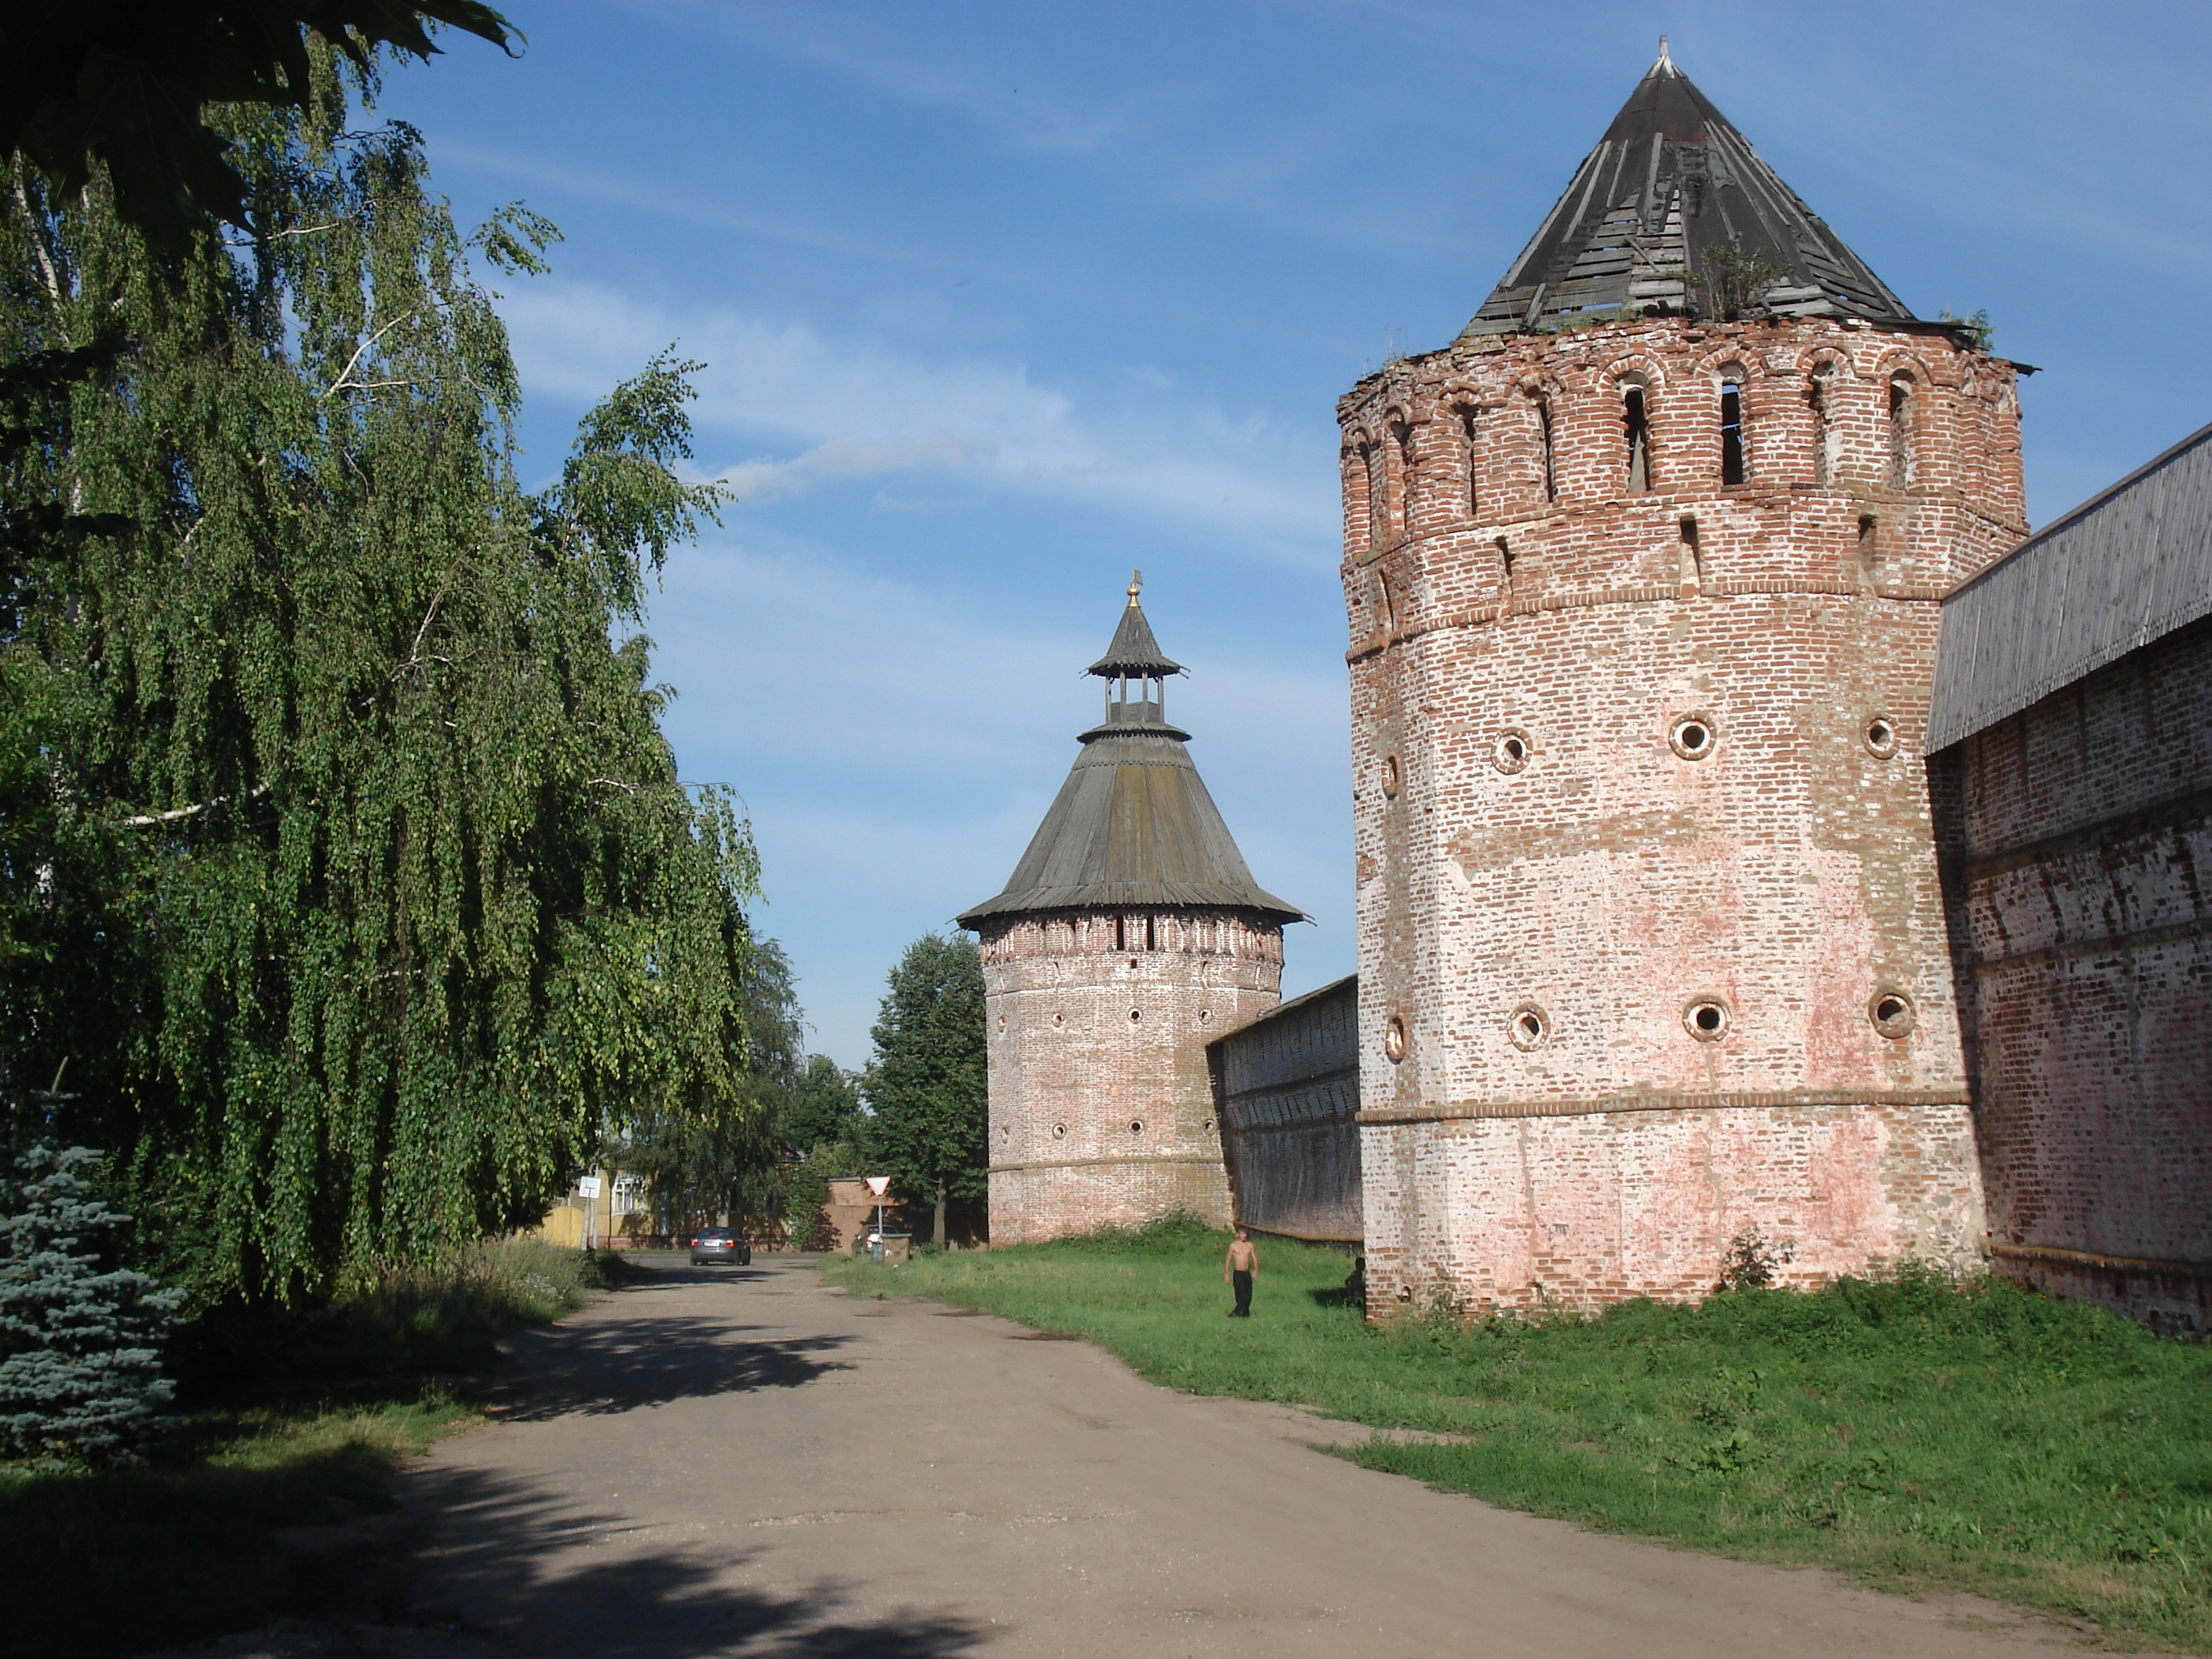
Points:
(743, 1461)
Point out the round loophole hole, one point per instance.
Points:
(1529, 1026)
(1060, 1019)
(1393, 780)
(1135, 1015)
(1881, 737)
(1692, 735)
(1706, 1019)
(1204, 1016)
(1136, 1126)
(1892, 1012)
(1394, 1039)
(1511, 751)
(1060, 1130)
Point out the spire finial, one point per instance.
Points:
(1665, 62)
(1136, 581)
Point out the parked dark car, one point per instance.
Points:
(719, 1244)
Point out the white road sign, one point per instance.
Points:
(879, 1185)
(588, 1186)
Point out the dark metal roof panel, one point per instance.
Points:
(2125, 568)
(1131, 825)
(1670, 182)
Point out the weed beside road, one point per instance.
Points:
(117, 1561)
(1916, 1431)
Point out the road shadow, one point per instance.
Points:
(495, 1563)
(620, 1366)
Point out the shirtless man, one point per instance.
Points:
(1238, 1270)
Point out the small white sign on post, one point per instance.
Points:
(879, 1184)
(587, 1187)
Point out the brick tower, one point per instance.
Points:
(1129, 935)
(1642, 574)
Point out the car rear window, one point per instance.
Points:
(713, 1232)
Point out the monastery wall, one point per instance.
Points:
(1652, 945)
(1286, 1095)
(1101, 1106)
(2082, 827)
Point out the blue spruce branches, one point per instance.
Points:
(80, 1339)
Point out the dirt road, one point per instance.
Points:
(742, 1462)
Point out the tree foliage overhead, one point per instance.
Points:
(344, 861)
(123, 85)
(926, 1085)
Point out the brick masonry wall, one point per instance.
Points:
(1555, 875)
(1101, 1109)
(2084, 827)
(1286, 1095)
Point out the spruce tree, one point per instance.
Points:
(345, 860)
(80, 1338)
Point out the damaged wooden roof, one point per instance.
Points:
(2125, 568)
(1133, 825)
(1670, 184)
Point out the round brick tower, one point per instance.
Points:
(1130, 934)
(1641, 575)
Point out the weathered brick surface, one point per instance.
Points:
(1286, 1096)
(1550, 880)
(1102, 1111)
(2084, 826)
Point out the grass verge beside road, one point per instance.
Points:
(1913, 1432)
(113, 1562)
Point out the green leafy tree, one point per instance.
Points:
(925, 1087)
(121, 87)
(821, 1106)
(352, 875)
(716, 1155)
(80, 1337)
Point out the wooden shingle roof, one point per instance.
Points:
(1133, 825)
(1672, 201)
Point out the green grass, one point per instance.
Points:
(114, 1562)
(1916, 1432)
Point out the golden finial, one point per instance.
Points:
(1136, 581)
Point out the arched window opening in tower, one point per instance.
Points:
(1121, 932)
(1467, 419)
(1639, 439)
(1152, 936)
(1401, 434)
(1731, 432)
(1900, 432)
(1378, 494)
(1543, 407)
(1823, 435)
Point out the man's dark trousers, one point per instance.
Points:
(1242, 1281)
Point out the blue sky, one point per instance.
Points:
(998, 301)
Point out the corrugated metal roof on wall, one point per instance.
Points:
(2123, 569)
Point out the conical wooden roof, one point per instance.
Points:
(1674, 210)
(1133, 825)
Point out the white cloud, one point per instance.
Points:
(847, 410)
